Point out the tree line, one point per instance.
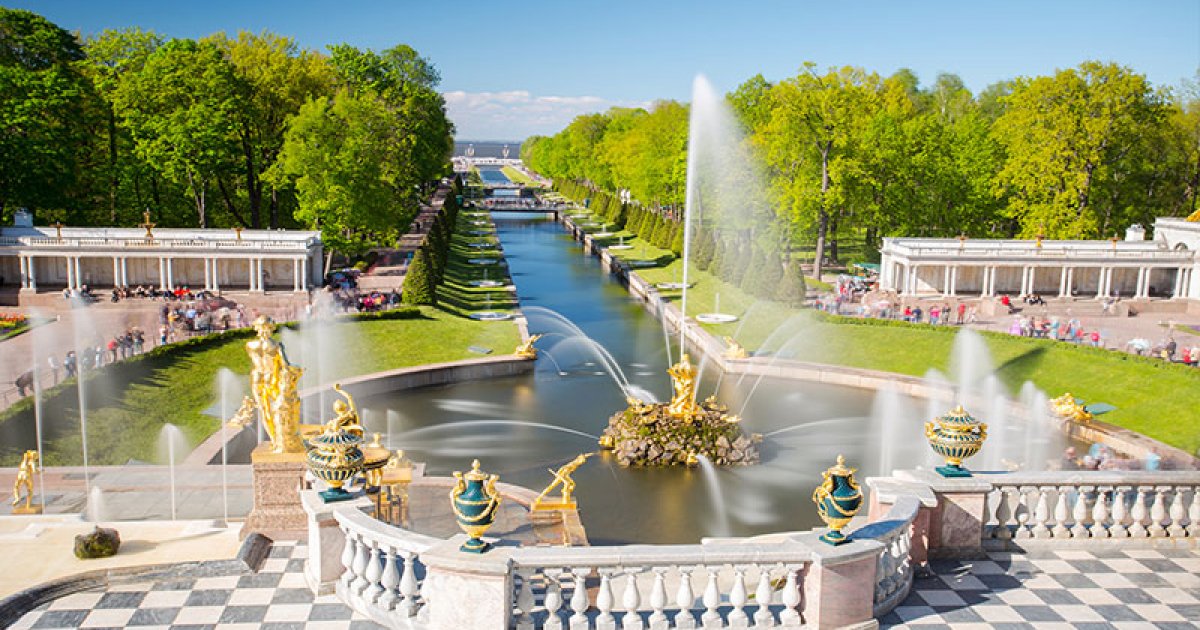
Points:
(847, 153)
(248, 130)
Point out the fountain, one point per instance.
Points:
(679, 432)
(171, 444)
(620, 246)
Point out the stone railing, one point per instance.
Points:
(894, 569)
(110, 243)
(656, 586)
(1093, 505)
(383, 572)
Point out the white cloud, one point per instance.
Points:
(516, 114)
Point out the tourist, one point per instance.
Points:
(24, 382)
(69, 364)
(934, 314)
(1069, 462)
(1096, 338)
(962, 309)
(139, 340)
(112, 349)
(1004, 299)
(163, 331)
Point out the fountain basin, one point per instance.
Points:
(602, 234)
(484, 245)
(484, 261)
(487, 283)
(716, 318)
(641, 263)
(491, 316)
(619, 247)
(672, 286)
(480, 232)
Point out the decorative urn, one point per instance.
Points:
(375, 457)
(335, 458)
(955, 436)
(475, 501)
(838, 499)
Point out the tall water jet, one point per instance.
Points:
(970, 363)
(38, 343)
(230, 391)
(84, 333)
(94, 507)
(172, 445)
(720, 514)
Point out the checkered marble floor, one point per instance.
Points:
(1044, 589)
(275, 598)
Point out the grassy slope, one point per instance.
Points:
(1152, 398)
(517, 176)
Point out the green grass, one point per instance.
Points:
(517, 176)
(456, 294)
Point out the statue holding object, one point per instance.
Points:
(273, 383)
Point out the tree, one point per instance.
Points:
(419, 285)
(1071, 140)
(183, 109)
(42, 107)
(792, 289)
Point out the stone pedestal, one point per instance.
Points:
(955, 526)
(483, 580)
(325, 541)
(278, 480)
(839, 588)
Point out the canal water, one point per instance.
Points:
(507, 423)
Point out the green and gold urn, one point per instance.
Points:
(335, 458)
(955, 436)
(838, 499)
(475, 501)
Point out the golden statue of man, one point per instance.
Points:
(526, 349)
(562, 477)
(347, 415)
(683, 381)
(25, 479)
(273, 382)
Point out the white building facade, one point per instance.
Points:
(1134, 268)
(53, 258)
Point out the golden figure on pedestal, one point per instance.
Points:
(347, 415)
(244, 415)
(526, 350)
(25, 473)
(562, 477)
(683, 381)
(734, 350)
(1069, 408)
(273, 382)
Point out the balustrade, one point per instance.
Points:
(383, 575)
(645, 575)
(1101, 504)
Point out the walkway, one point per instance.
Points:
(1102, 588)
(274, 598)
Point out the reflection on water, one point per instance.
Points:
(502, 421)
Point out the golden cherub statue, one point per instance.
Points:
(734, 350)
(526, 349)
(273, 382)
(29, 463)
(347, 415)
(244, 415)
(562, 477)
(1066, 407)
(683, 381)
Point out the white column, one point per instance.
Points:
(24, 273)
(116, 271)
(296, 275)
(70, 273)
(946, 281)
(162, 274)
(250, 272)
(170, 275)
(78, 274)
(216, 283)
(1108, 278)
(124, 271)
(207, 275)
(991, 291)
(259, 285)
(1176, 293)
(1100, 291)
(1070, 281)
(304, 284)
(954, 281)
(1032, 281)
(1062, 282)
(31, 265)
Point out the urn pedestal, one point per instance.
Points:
(278, 480)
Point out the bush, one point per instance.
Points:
(792, 290)
(419, 286)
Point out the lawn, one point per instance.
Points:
(1153, 398)
(517, 176)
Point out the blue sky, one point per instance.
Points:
(511, 67)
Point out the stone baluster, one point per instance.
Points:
(361, 554)
(1003, 516)
(1193, 528)
(1061, 513)
(553, 601)
(658, 600)
(409, 589)
(1100, 513)
(1158, 513)
(524, 600)
(737, 597)
(684, 599)
(1080, 512)
(1138, 528)
(1177, 514)
(349, 553)
(881, 573)
(790, 617)
(389, 580)
(604, 602)
(762, 596)
(631, 600)
(1119, 514)
(1021, 513)
(711, 600)
(1041, 514)
(579, 600)
(373, 574)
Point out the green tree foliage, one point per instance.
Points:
(792, 289)
(419, 284)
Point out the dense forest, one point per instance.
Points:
(1080, 154)
(247, 130)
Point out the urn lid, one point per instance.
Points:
(958, 415)
(336, 439)
(475, 474)
(840, 469)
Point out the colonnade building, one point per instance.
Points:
(56, 257)
(1133, 268)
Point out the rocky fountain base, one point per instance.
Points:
(648, 435)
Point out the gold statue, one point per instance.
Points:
(683, 381)
(1066, 407)
(735, 349)
(526, 350)
(562, 477)
(244, 415)
(347, 415)
(25, 473)
(273, 382)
